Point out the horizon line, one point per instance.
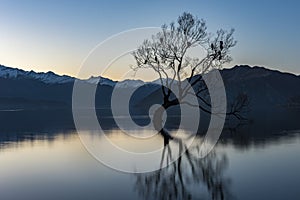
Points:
(96, 76)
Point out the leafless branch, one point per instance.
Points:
(167, 53)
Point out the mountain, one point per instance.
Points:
(52, 78)
(101, 81)
(267, 89)
(121, 84)
(48, 77)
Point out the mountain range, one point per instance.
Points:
(19, 89)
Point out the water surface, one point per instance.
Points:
(51, 163)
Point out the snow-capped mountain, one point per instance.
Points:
(48, 77)
(130, 83)
(120, 84)
(101, 81)
(52, 78)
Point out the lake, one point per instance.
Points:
(50, 162)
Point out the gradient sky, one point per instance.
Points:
(57, 35)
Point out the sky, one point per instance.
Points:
(58, 35)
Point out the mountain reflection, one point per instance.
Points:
(14, 125)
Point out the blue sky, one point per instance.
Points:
(57, 35)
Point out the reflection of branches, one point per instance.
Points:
(186, 177)
(239, 106)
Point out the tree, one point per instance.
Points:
(167, 54)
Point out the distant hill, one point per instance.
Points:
(265, 87)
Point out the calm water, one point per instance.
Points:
(53, 164)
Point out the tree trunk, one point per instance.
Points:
(158, 118)
(158, 121)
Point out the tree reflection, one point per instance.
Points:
(189, 177)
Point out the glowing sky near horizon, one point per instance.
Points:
(57, 35)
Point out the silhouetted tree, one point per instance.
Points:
(167, 53)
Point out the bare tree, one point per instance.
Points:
(167, 53)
